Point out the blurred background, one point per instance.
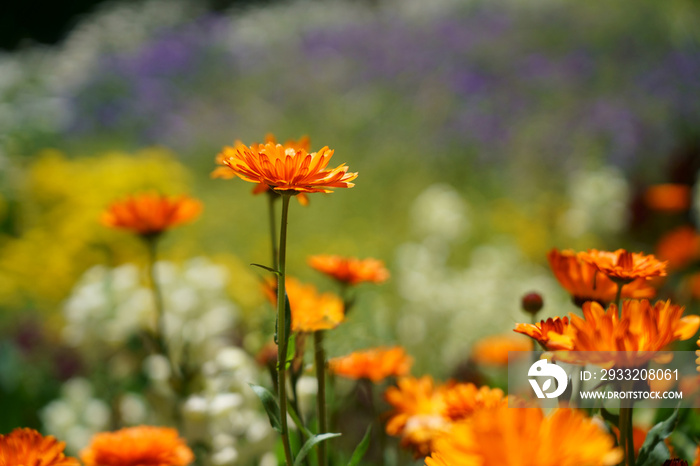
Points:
(485, 133)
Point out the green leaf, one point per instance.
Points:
(297, 420)
(269, 402)
(269, 269)
(310, 444)
(291, 351)
(287, 316)
(287, 319)
(654, 451)
(361, 448)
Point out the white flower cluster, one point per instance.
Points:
(110, 306)
(226, 414)
(76, 416)
(197, 312)
(599, 202)
(448, 306)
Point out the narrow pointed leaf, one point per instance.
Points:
(269, 402)
(361, 448)
(269, 269)
(287, 316)
(310, 444)
(297, 420)
(654, 451)
(291, 351)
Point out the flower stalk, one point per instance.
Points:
(320, 363)
(282, 336)
(271, 198)
(152, 247)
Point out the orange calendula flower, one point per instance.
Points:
(286, 168)
(374, 364)
(311, 310)
(493, 350)
(27, 447)
(679, 247)
(463, 399)
(419, 413)
(668, 197)
(224, 172)
(624, 266)
(349, 269)
(525, 437)
(642, 327)
(138, 446)
(540, 331)
(584, 283)
(151, 214)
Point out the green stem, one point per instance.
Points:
(152, 246)
(271, 198)
(626, 434)
(320, 362)
(282, 337)
(618, 297)
(177, 382)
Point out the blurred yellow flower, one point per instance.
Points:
(61, 202)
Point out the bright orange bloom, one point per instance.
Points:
(584, 283)
(493, 350)
(150, 214)
(679, 247)
(374, 364)
(525, 437)
(27, 447)
(463, 399)
(311, 310)
(138, 446)
(668, 197)
(697, 456)
(286, 168)
(642, 327)
(349, 269)
(419, 413)
(540, 331)
(223, 171)
(624, 266)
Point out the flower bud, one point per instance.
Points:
(532, 303)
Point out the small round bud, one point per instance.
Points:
(532, 303)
